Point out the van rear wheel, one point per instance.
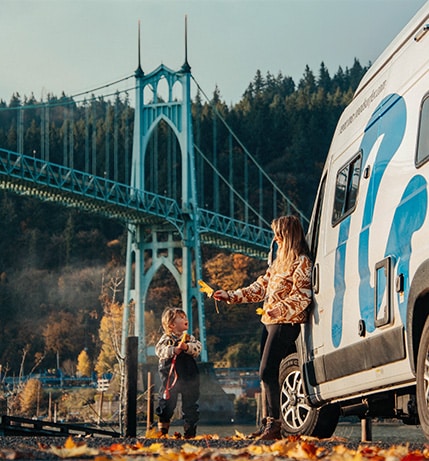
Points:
(422, 380)
(297, 415)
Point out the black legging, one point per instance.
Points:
(276, 343)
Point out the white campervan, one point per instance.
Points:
(365, 350)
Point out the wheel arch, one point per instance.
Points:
(417, 310)
(297, 415)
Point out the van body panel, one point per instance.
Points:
(369, 233)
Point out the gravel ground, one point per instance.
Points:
(37, 448)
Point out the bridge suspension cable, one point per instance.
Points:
(252, 158)
(229, 185)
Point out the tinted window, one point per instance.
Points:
(346, 188)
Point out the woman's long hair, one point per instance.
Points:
(290, 231)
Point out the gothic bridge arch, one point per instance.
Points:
(158, 242)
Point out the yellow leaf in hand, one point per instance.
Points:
(207, 289)
(260, 311)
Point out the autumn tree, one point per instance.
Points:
(110, 358)
(60, 338)
(84, 365)
(110, 329)
(30, 397)
(230, 271)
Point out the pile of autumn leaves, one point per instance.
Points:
(292, 448)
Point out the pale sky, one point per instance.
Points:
(51, 46)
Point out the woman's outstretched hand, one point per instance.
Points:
(220, 295)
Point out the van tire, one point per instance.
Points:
(297, 416)
(422, 382)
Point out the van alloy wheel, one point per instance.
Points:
(293, 406)
(297, 415)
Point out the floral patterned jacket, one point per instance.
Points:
(290, 291)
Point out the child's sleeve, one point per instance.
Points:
(194, 346)
(164, 349)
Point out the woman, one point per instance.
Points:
(286, 291)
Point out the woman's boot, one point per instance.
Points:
(272, 430)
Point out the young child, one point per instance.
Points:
(177, 351)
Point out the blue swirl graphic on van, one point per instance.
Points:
(387, 121)
(409, 217)
(391, 123)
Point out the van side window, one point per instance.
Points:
(422, 154)
(346, 189)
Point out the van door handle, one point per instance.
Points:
(315, 278)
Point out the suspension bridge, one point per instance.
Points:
(150, 167)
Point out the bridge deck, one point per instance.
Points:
(50, 182)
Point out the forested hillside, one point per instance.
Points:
(56, 262)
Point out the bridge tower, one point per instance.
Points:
(157, 243)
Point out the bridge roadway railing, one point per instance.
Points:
(30, 176)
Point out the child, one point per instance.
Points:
(178, 370)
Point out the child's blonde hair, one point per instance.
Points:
(168, 317)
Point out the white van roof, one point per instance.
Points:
(417, 25)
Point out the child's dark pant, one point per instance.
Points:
(190, 391)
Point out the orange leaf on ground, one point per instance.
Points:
(414, 456)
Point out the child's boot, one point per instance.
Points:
(190, 431)
(163, 427)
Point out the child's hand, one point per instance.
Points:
(185, 338)
(181, 347)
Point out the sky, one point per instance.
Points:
(71, 46)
